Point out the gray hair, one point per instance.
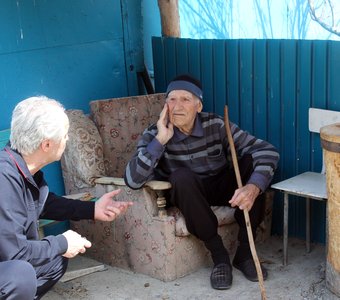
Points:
(34, 120)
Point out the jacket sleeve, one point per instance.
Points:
(140, 168)
(265, 156)
(60, 209)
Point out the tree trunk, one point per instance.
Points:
(169, 18)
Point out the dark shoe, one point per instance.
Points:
(248, 269)
(221, 277)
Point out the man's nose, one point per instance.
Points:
(176, 105)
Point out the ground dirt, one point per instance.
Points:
(302, 278)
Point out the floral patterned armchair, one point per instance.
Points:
(148, 238)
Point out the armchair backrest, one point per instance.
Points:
(120, 122)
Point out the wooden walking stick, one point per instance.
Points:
(245, 211)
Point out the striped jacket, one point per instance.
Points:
(206, 152)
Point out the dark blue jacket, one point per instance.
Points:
(23, 200)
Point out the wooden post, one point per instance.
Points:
(330, 141)
(169, 18)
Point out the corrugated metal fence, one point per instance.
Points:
(268, 86)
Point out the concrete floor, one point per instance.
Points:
(303, 278)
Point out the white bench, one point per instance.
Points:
(309, 185)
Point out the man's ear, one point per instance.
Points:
(45, 145)
(200, 106)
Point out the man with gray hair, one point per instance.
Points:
(190, 149)
(32, 265)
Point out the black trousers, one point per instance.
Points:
(20, 280)
(194, 196)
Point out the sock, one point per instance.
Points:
(219, 253)
(243, 253)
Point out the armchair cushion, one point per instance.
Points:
(224, 214)
(83, 159)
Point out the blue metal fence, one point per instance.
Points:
(268, 86)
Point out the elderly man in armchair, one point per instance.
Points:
(190, 149)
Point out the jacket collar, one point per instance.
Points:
(18, 160)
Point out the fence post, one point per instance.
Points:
(330, 141)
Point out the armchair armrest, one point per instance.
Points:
(110, 180)
(159, 187)
(155, 185)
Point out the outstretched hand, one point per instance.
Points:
(107, 209)
(245, 197)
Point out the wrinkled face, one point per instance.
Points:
(183, 108)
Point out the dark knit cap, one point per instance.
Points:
(187, 83)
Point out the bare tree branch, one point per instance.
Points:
(327, 13)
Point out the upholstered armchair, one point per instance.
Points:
(148, 238)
